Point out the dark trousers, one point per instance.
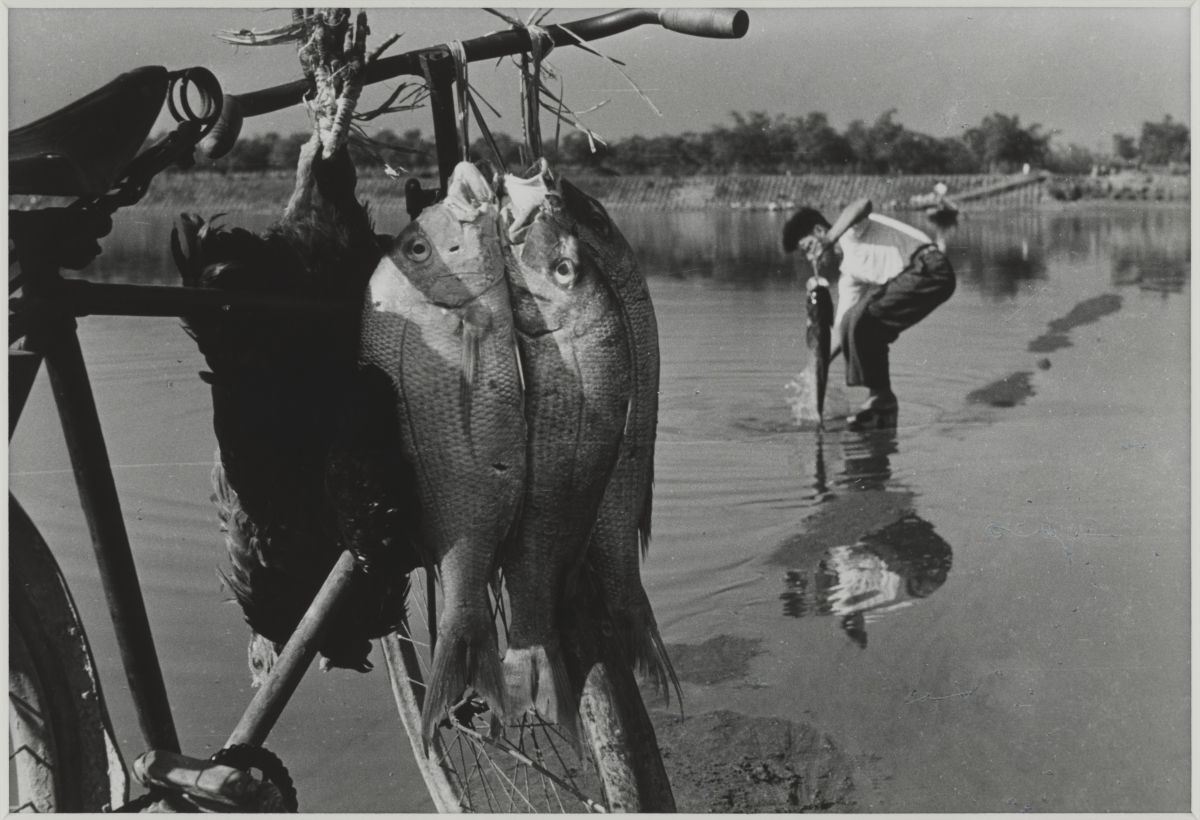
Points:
(878, 318)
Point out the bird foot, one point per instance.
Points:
(334, 55)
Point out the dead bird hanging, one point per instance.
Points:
(278, 379)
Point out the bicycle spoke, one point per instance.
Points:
(533, 765)
(483, 778)
(431, 608)
(541, 758)
(500, 772)
(469, 793)
(525, 772)
(413, 641)
(512, 792)
(526, 760)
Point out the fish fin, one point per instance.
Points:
(472, 338)
(466, 657)
(644, 518)
(537, 682)
(637, 631)
(520, 366)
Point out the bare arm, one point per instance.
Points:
(851, 215)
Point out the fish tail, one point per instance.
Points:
(637, 632)
(537, 681)
(466, 657)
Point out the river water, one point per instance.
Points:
(986, 610)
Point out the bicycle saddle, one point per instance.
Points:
(82, 149)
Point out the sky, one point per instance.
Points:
(1083, 73)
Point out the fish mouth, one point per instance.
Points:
(520, 292)
(455, 291)
(539, 333)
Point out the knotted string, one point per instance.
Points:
(465, 100)
(461, 94)
(540, 45)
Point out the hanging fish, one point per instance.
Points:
(819, 316)
(575, 359)
(438, 325)
(622, 533)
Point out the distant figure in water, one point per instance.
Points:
(942, 214)
(891, 277)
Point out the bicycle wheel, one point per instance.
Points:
(528, 764)
(62, 754)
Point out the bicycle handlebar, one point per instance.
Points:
(698, 22)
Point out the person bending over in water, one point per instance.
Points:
(892, 276)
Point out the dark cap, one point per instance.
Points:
(800, 225)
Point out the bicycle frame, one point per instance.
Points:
(47, 325)
(52, 339)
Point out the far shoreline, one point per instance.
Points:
(264, 191)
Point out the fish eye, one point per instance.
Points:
(417, 249)
(564, 273)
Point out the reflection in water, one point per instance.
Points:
(998, 257)
(1150, 269)
(1148, 251)
(884, 571)
(138, 249)
(866, 458)
(995, 253)
(722, 245)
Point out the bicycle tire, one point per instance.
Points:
(62, 752)
(531, 765)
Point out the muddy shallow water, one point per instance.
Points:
(984, 610)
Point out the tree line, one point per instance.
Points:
(757, 143)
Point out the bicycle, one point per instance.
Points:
(65, 755)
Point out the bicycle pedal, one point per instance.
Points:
(210, 786)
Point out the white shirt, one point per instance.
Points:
(873, 252)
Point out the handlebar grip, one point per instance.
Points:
(225, 133)
(730, 24)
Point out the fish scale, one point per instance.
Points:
(438, 324)
(621, 536)
(575, 354)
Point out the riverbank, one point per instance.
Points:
(267, 191)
